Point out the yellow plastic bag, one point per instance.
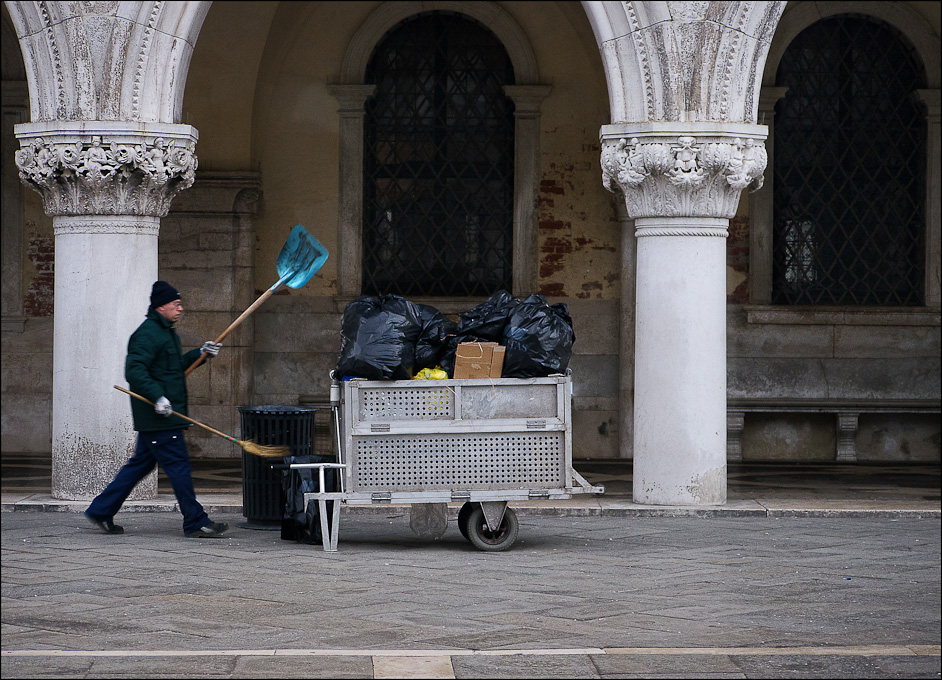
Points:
(431, 374)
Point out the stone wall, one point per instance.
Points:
(868, 357)
(266, 107)
(26, 401)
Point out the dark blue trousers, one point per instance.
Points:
(167, 449)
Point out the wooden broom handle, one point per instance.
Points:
(264, 296)
(178, 415)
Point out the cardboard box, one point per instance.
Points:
(479, 360)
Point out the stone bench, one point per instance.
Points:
(846, 414)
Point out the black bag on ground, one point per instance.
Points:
(299, 523)
(377, 338)
(538, 338)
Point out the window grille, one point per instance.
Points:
(438, 161)
(850, 155)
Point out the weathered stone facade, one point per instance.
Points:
(671, 103)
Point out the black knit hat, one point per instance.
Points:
(162, 293)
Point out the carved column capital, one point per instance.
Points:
(106, 167)
(682, 169)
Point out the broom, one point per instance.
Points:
(248, 446)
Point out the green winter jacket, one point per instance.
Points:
(154, 368)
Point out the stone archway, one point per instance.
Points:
(914, 29)
(527, 93)
(682, 78)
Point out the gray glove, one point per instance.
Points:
(162, 407)
(210, 348)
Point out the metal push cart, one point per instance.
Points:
(480, 442)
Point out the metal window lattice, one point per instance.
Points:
(430, 462)
(432, 403)
(850, 155)
(438, 161)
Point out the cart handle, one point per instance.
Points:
(320, 472)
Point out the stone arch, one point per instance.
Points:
(389, 14)
(109, 60)
(683, 62)
(897, 14)
(627, 71)
(11, 62)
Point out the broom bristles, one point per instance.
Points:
(263, 450)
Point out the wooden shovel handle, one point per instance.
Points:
(178, 415)
(264, 296)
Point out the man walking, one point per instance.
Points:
(154, 368)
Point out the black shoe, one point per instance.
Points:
(211, 530)
(107, 525)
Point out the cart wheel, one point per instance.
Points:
(492, 541)
(463, 516)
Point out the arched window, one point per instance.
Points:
(438, 175)
(849, 179)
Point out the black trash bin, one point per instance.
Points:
(263, 501)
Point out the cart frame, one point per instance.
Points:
(483, 442)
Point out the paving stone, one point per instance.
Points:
(46, 667)
(166, 667)
(525, 666)
(808, 667)
(397, 667)
(304, 667)
(909, 666)
(577, 582)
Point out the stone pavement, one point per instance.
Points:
(812, 571)
(664, 595)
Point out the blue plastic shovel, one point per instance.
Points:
(299, 259)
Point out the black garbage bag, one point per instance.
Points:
(299, 523)
(377, 338)
(436, 327)
(538, 338)
(488, 319)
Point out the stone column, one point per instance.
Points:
(527, 101)
(760, 208)
(106, 184)
(351, 101)
(681, 183)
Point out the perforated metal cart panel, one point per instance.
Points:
(480, 443)
(465, 435)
